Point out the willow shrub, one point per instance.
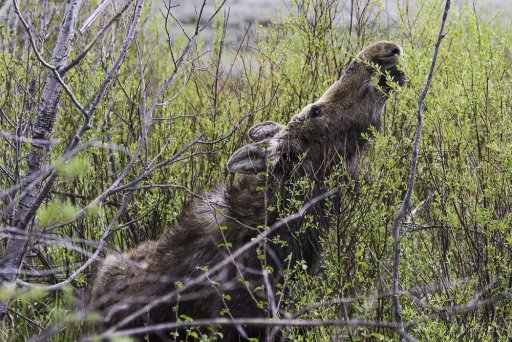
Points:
(456, 243)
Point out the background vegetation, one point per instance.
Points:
(455, 271)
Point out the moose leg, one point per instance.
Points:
(353, 167)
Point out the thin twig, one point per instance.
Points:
(30, 321)
(84, 52)
(95, 15)
(404, 207)
(93, 258)
(54, 69)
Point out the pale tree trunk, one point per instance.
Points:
(38, 154)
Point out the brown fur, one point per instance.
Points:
(310, 145)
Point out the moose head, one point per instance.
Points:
(331, 127)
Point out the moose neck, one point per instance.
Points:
(250, 196)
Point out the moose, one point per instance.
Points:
(324, 134)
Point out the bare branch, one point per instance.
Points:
(404, 207)
(100, 34)
(199, 29)
(257, 322)
(57, 58)
(95, 15)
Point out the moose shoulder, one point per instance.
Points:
(310, 145)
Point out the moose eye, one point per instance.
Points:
(315, 112)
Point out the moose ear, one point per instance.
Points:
(264, 130)
(254, 158)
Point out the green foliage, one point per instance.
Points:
(73, 168)
(55, 212)
(456, 244)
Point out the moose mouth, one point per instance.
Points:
(396, 75)
(389, 65)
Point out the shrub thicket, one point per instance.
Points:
(456, 244)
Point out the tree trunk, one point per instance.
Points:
(37, 158)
